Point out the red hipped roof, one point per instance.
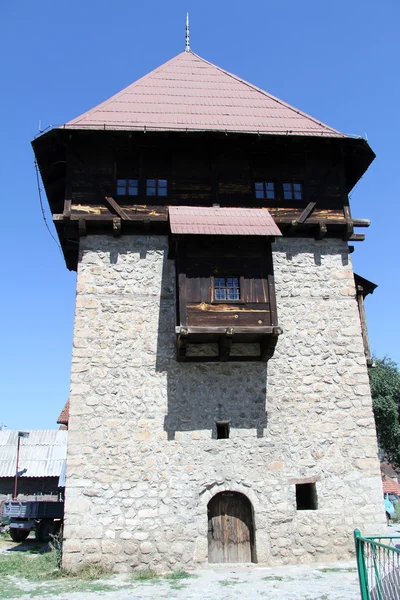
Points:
(64, 415)
(222, 221)
(391, 487)
(188, 93)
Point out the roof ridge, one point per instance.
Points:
(265, 93)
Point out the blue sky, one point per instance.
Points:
(337, 61)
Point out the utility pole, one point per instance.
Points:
(21, 434)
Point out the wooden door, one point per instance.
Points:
(230, 529)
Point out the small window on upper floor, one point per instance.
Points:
(265, 189)
(156, 187)
(292, 190)
(127, 187)
(226, 289)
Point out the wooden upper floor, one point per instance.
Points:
(124, 181)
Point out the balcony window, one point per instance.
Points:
(226, 289)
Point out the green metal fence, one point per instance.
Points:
(378, 563)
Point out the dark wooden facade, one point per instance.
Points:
(80, 171)
(202, 318)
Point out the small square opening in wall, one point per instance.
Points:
(222, 430)
(306, 496)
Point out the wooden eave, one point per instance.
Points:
(364, 286)
(72, 220)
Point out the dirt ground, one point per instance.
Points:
(333, 581)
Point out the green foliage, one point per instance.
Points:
(396, 516)
(385, 390)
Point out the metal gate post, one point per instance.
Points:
(361, 566)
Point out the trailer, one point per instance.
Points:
(44, 518)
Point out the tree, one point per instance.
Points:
(385, 390)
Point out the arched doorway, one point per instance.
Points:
(230, 529)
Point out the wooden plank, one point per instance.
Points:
(357, 237)
(183, 316)
(363, 320)
(68, 191)
(244, 318)
(221, 330)
(306, 212)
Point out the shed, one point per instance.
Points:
(41, 459)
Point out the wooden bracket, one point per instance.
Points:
(82, 227)
(321, 232)
(225, 344)
(349, 230)
(116, 227)
(67, 209)
(182, 345)
(306, 212)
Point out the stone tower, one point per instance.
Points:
(220, 407)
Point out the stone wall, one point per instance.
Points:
(143, 461)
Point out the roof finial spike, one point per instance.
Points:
(187, 37)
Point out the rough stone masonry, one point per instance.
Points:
(143, 461)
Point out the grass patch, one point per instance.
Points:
(177, 575)
(277, 578)
(177, 585)
(338, 570)
(145, 575)
(36, 565)
(226, 582)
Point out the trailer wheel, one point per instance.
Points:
(45, 529)
(18, 535)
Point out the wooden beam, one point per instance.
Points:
(221, 330)
(363, 320)
(68, 191)
(116, 227)
(322, 231)
(267, 348)
(357, 237)
(225, 344)
(82, 227)
(349, 230)
(361, 222)
(306, 212)
(181, 347)
(111, 204)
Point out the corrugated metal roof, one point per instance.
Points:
(41, 454)
(222, 221)
(189, 93)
